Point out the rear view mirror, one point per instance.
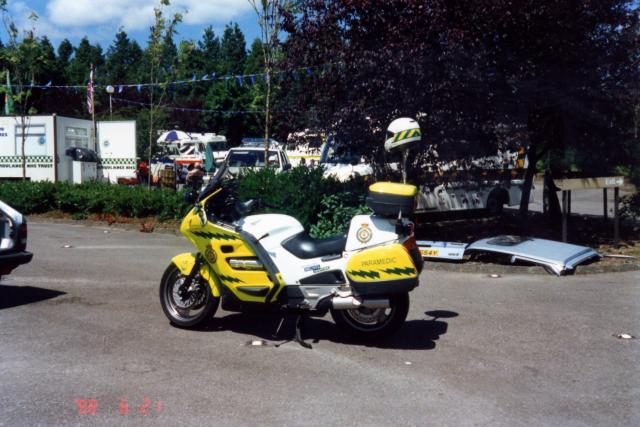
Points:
(286, 167)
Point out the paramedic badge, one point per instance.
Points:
(210, 255)
(364, 234)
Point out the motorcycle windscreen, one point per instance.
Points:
(382, 270)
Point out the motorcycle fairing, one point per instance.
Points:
(185, 263)
(218, 243)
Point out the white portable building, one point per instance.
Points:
(48, 138)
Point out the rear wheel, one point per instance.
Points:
(189, 307)
(374, 323)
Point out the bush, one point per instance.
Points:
(325, 206)
(299, 192)
(335, 216)
(630, 206)
(29, 197)
(94, 198)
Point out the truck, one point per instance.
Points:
(495, 181)
(52, 140)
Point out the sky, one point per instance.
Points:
(99, 20)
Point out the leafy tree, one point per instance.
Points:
(25, 60)
(161, 58)
(123, 59)
(209, 48)
(479, 76)
(233, 50)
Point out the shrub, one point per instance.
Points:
(335, 216)
(324, 205)
(298, 192)
(28, 197)
(93, 197)
(630, 206)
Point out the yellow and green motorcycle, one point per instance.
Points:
(362, 277)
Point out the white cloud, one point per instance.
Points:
(138, 14)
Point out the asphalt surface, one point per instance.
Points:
(83, 341)
(585, 202)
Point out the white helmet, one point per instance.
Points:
(401, 132)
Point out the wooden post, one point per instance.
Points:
(604, 203)
(616, 216)
(564, 216)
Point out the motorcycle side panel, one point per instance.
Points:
(383, 269)
(370, 230)
(218, 243)
(185, 263)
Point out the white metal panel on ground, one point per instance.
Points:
(117, 149)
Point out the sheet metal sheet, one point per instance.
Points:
(560, 258)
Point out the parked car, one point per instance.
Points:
(250, 155)
(342, 165)
(13, 239)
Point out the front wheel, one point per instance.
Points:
(189, 307)
(374, 323)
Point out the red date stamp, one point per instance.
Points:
(91, 406)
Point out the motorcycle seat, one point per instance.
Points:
(305, 247)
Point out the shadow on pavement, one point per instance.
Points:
(413, 335)
(14, 296)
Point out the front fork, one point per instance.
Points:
(193, 264)
(185, 288)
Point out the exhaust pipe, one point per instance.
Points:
(351, 303)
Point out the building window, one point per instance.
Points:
(76, 137)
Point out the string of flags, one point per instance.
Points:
(240, 79)
(196, 110)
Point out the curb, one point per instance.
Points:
(453, 267)
(103, 224)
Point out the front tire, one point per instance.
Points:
(199, 304)
(371, 324)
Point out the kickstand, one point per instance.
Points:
(298, 338)
(298, 334)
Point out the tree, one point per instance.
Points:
(161, 57)
(123, 59)
(479, 76)
(270, 21)
(23, 55)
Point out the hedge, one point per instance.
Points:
(94, 197)
(322, 205)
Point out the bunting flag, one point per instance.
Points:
(90, 106)
(8, 98)
(195, 79)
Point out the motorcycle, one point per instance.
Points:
(243, 262)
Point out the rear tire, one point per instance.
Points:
(199, 305)
(371, 324)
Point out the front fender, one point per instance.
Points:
(185, 263)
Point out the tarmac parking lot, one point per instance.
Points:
(83, 340)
